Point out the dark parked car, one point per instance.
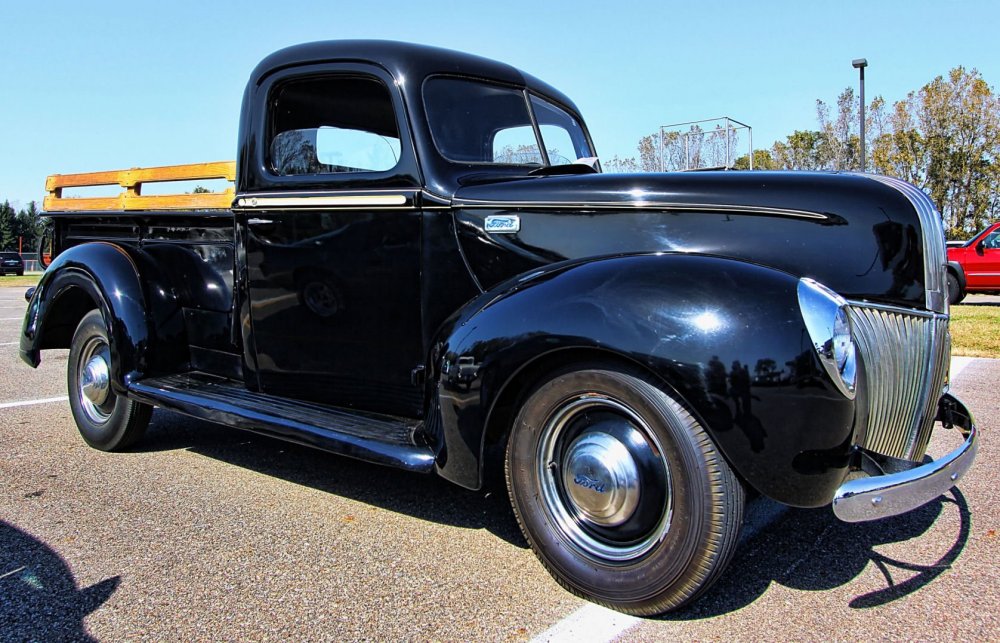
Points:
(11, 262)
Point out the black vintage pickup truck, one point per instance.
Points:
(421, 265)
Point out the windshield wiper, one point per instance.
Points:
(566, 168)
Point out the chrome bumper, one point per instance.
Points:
(877, 497)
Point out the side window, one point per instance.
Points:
(992, 240)
(332, 124)
(565, 140)
(558, 144)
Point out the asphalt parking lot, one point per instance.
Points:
(204, 532)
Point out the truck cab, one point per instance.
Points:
(337, 206)
(421, 265)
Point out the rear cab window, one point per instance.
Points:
(332, 124)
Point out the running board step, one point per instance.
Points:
(381, 439)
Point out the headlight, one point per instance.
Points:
(829, 326)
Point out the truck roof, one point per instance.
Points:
(403, 60)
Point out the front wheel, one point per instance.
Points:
(106, 421)
(620, 492)
(955, 293)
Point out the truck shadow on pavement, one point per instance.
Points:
(801, 549)
(39, 598)
(422, 496)
(811, 550)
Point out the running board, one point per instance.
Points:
(381, 439)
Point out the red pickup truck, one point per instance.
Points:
(975, 265)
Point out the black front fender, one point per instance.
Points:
(123, 284)
(726, 337)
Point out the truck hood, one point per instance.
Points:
(859, 235)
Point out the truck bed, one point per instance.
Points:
(132, 180)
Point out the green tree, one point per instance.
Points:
(945, 138)
(801, 150)
(762, 160)
(28, 227)
(649, 153)
(619, 165)
(839, 144)
(8, 239)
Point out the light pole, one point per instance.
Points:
(860, 64)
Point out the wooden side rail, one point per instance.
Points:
(132, 180)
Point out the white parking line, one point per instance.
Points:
(590, 623)
(958, 365)
(11, 318)
(9, 343)
(44, 400)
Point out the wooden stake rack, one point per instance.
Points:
(133, 180)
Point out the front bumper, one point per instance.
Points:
(892, 494)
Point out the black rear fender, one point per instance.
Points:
(145, 324)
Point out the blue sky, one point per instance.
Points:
(107, 85)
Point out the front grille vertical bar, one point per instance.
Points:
(939, 363)
(905, 354)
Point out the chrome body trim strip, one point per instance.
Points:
(655, 205)
(325, 201)
(877, 497)
(932, 231)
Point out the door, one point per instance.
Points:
(333, 257)
(982, 265)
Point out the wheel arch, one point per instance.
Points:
(500, 416)
(63, 315)
(958, 271)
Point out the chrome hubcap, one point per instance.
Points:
(601, 479)
(605, 482)
(94, 381)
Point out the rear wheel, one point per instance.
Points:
(620, 492)
(106, 421)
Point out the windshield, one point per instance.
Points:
(477, 122)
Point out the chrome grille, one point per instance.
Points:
(906, 355)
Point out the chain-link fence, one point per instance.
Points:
(713, 143)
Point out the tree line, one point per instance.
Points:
(943, 138)
(20, 229)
